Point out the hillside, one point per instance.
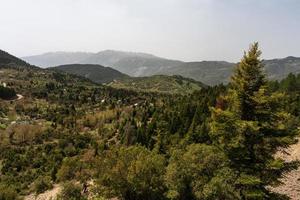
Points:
(278, 69)
(66, 135)
(131, 63)
(142, 64)
(95, 73)
(216, 72)
(208, 72)
(7, 59)
(52, 59)
(159, 83)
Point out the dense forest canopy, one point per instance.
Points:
(98, 142)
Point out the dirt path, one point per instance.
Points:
(48, 195)
(291, 182)
(19, 97)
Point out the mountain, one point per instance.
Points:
(134, 64)
(57, 58)
(216, 72)
(142, 64)
(278, 69)
(95, 73)
(7, 59)
(131, 63)
(208, 72)
(159, 83)
(64, 131)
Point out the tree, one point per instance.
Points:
(199, 172)
(251, 126)
(68, 169)
(7, 93)
(131, 173)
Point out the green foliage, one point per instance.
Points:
(68, 169)
(95, 73)
(42, 184)
(199, 172)
(125, 144)
(251, 126)
(7, 59)
(71, 191)
(7, 93)
(132, 173)
(159, 83)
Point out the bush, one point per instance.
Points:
(132, 173)
(7, 93)
(71, 191)
(42, 184)
(68, 169)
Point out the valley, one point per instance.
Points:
(84, 131)
(150, 100)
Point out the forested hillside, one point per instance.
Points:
(95, 73)
(99, 142)
(159, 83)
(7, 59)
(217, 72)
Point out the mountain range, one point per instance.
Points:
(131, 63)
(143, 64)
(111, 77)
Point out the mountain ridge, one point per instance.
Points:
(95, 73)
(139, 64)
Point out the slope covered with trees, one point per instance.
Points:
(159, 83)
(8, 59)
(95, 73)
(99, 142)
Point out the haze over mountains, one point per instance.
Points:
(131, 63)
(142, 64)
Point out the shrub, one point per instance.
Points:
(7, 93)
(71, 191)
(42, 184)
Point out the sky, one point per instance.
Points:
(189, 30)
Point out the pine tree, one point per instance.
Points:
(251, 127)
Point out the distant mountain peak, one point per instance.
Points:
(127, 53)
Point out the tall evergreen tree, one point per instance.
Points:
(251, 126)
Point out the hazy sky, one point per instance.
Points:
(178, 29)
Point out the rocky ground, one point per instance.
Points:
(291, 181)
